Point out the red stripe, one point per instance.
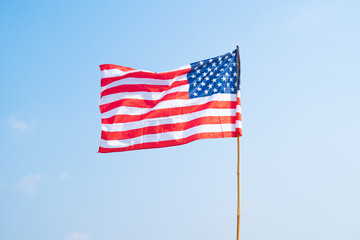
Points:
(113, 66)
(159, 76)
(142, 88)
(238, 116)
(239, 131)
(167, 128)
(169, 112)
(170, 143)
(238, 101)
(142, 103)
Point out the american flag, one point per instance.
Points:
(142, 109)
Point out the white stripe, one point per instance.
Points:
(149, 81)
(118, 127)
(141, 95)
(238, 124)
(117, 72)
(238, 110)
(124, 110)
(168, 135)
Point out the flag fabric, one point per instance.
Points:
(142, 109)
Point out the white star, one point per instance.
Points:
(217, 74)
(219, 58)
(226, 56)
(232, 89)
(210, 86)
(207, 79)
(219, 84)
(206, 91)
(195, 94)
(201, 62)
(214, 80)
(214, 64)
(209, 69)
(202, 84)
(223, 78)
(211, 60)
(199, 79)
(198, 71)
(215, 90)
(222, 70)
(228, 84)
(231, 79)
(226, 74)
(199, 89)
(211, 73)
(230, 68)
(234, 74)
(194, 84)
(192, 76)
(204, 74)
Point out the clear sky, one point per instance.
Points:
(300, 104)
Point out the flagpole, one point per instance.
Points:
(238, 155)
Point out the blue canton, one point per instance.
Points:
(213, 75)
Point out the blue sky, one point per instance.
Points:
(300, 101)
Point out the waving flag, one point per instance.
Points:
(142, 109)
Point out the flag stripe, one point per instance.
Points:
(166, 128)
(144, 74)
(113, 66)
(238, 116)
(118, 127)
(142, 95)
(175, 135)
(142, 88)
(167, 112)
(142, 103)
(239, 131)
(135, 81)
(168, 104)
(169, 143)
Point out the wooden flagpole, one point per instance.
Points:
(238, 190)
(238, 151)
